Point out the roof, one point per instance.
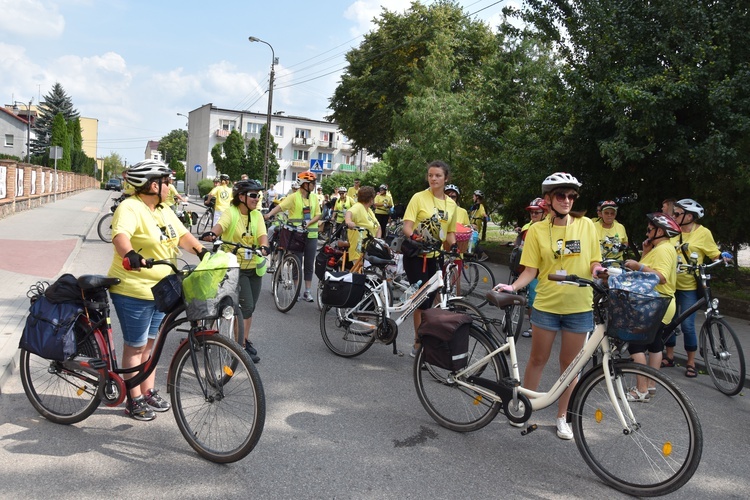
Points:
(11, 113)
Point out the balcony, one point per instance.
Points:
(222, 133)
(252, 135)
(328, 144)
(305, 142)
(300, 163)
(345, 167)
(346, 146)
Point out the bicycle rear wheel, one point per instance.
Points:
(205, 222)
(219, 403)
(61, 395)
(287, 281)
(660, 450)
(451, 405)
(722, 353)
(349, 335)
(476, 280)
(104, 228)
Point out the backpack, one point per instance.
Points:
(445, 338)
(49, 328)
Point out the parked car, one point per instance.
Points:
(114, 185)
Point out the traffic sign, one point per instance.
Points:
(198, 168)
(316, 166)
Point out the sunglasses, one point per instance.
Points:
(562, 196)
(678, 214)
(252, 195)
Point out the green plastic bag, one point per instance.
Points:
(213, 282)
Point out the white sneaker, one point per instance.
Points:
(563, 429)
(307, 297)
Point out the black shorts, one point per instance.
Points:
(413, 268)
(656, 346)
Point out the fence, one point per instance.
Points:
(24, 186)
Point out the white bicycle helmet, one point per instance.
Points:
(452, 187)
(692, 206)
(558, 180)
(295, 185)
(143, 172)
(341, 189)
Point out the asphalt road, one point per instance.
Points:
(335, 428)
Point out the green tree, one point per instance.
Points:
(54, 103)
(113, 165)
(254, 159)
(381, 72)
(60, 137)
(173, 146)
(229, 157)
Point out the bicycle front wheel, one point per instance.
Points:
(61, 395)
(451, 405)
(205, 222)
(661, 447)
(287, 281)
(348, 333)
(104, 228)
(218, 401)
(476, 280)
(722, 353)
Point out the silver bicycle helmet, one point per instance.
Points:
(692, 206)
(558, 180)
(452, 187)
(143, 172)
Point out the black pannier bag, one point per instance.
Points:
(444, 336)
(342, 289)
(49, 329)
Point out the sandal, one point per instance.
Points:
(690, 371)
(667, 362)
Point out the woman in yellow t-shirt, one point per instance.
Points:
(382, 206)
(143, 229)
(361, 215)
(563, 243)
(243, 223)
(700, 241)
(658, 258)
(430, 217)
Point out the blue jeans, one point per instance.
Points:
(685, 299)
(575, 322)
(139, 319)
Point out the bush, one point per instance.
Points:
(205, 186)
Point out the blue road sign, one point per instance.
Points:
(316, 166)
(198, 168)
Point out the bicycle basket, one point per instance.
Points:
(213, 283)
(635, 317)
(342, 289)
(294, 241)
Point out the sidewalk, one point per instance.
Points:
(39, 245)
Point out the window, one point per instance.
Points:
(254, 128)
(278, 153)
(302, 133)
(327, 136)
(301, 155)
(279, 131)
(228, 125)
(327, 159)
(9, 139)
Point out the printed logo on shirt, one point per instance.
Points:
(570, 249)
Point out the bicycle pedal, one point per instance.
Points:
(529, 429)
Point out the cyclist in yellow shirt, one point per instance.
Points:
(352, 191)
(342, 205)
(223, 195)
(563, 243)
(612, 234)
(382, 206)
(142, 229)
(361, 215)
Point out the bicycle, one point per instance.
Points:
(349, 332)
(476, 279)
(717, 342)
(184, 214)
(206, 220)
(287, 276)
(216, 392)
(640, 448)
(104, 227)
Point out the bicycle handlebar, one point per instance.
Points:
(217, 243)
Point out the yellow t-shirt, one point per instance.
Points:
(170, 200)
(477, 216)
(562, 249)
(608, 237)
(245, 233)
(384, 200)
(424, 205)
(365, 218)
(663, 259)
(701, 241)
(352, 194)
(462, 216)
(128, 189)
(295, 205)
(223, 196)
(343, 203)
(153, 235)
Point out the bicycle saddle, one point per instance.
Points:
(93, 281)
(505, 299)
(376, 261)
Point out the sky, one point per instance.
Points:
(133, 64)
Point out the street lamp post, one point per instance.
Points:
(267, 153)
(28, 126)
(187, 153)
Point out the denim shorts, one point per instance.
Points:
(139, 319)
(575, 323)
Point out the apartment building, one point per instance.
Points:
(299, 141)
